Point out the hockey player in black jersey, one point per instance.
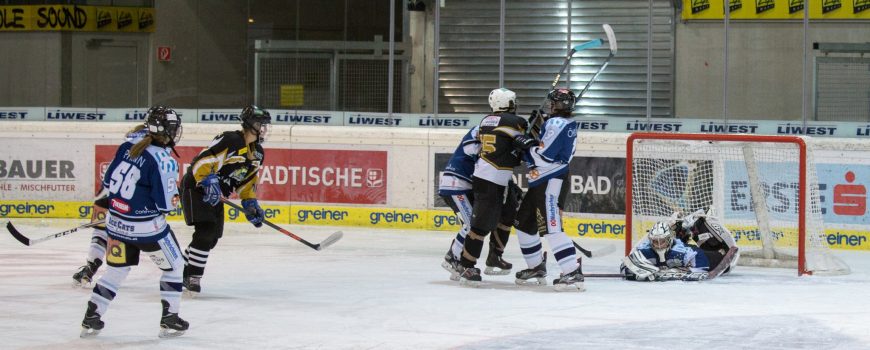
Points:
(230, 164)
(502, 139)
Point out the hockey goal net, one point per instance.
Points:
(763, 188)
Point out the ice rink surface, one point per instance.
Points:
(386, 290)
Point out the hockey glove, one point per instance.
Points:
(524, 142)
(211, 185)
(253, 212)
(536, 119)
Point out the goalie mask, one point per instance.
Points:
(561, 102)
(257, 120)
(164, 124)
(503, 100)
(661, 237)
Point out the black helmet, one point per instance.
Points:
(561, 102)
(256, 119)
(164, 123)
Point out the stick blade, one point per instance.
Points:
(330, 240)
(16, 234)
(588, 45)
(610, 248)
(611, 38)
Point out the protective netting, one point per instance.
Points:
(728, 176)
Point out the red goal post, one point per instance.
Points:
(719, 154)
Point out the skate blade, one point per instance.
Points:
(189, 294)
(467, 283)
(88, 332)
(573, 287)
(454, 276)
(82, 284)
(169, 333)
(538, 281)
(495, 271)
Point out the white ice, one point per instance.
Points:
(385, 289)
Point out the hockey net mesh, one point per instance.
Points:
(683, 176)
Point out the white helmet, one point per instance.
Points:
(502, 100)
(660, 238)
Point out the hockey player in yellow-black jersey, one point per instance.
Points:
(229, 164)
(502, 142)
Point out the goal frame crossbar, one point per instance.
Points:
(802, 177)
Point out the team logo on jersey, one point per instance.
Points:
(116, 252)
(492, 120)
(239, 174)
(120, 206)
(375, 177)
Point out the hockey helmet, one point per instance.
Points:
(257, 120)
(661, 237)
(502, 100)
(164, 124)
(561, 102)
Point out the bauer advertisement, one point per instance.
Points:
(301, 175)
(40, 170)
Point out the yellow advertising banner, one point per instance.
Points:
(76, 18)
(776, 9)
(292, 95)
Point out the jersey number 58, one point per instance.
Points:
(124, 179)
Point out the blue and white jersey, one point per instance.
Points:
(141, 190)
(551, 158)
(456, 177)
(680, 255)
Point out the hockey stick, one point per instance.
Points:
(319, 246)
(29, 242)
(535, 127)
(611, 39)
(604, 275)
(595, 253)
(725, 263)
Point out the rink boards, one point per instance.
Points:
(376, 177)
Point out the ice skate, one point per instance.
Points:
(470, 276)
(537, 273)
(451, 264)
(85, 275)
(495, 265)
(191, 286)
(170, 324)
(92, 324)
(570, 282)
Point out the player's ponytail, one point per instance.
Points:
(140, 146)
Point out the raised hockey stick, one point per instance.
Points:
(29, 242)
(611, 39)
(535, 127)
(595, 253)
(319, 246)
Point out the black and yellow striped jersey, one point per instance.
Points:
(236, 164)
(498, 154)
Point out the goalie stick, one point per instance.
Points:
(29, 242)
(334, 237)
(535, 127)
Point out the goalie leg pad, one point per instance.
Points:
(637, 264)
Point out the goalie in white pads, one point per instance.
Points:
(694, 248)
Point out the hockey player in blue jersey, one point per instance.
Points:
(455, 188)
(541, 208)
(689, 249)
(142, 186)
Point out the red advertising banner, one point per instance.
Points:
(300, 175)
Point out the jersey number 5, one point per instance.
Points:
(487, 144)
(124, 179)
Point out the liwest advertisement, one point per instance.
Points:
(300, 175)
